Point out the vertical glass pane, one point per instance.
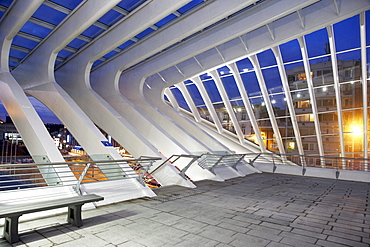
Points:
(259, 107)
(272, 80)
(244, 65)
(278, 103)
(367, 21)
(321, 71)
(204, 113)
(349, 66)
(195, 95)
(180, 98)
(301, 102)
(332, 145)
(291, 51)
(353, 131)
(267, 134)
(317, 43)
(251, 84)
(328, 123)
(266, 58)
(325, 98)
(285, 127)
(212, 91)
(231, 87)
(347, 33)
(296, 76)
(351, 95)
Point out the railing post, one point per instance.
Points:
(78, 185)
(183, 171)
(140, 177)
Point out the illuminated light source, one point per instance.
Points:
(356, 130)
(298, 95)
(273, 101)
(245, 70)
(324, 89)
(263, 104)
(239, 109)
(284, 99)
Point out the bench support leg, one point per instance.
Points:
(74, 215)
(11, 229)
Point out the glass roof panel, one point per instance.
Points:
(244, 65)
(110, 54)
(347, 33)
(195, 94)
(6, 3)
(272, 80)
(34, 29)
(317, 43)
(144, 33)
(224, 71)
(49, 14)
(367, 21)
(97, 62)
(1, 14)
(180, 98)
(92, 31)
(76, 43)
(212, 91)
(12, 64)
(20, 41)
(69, 4)
(251, 84)
(291, 51)
(57, 63)
(129, 5)
(17, 54)
(165, 20)
(188, 6)
(231, 87)
(127, 43)
(205, 76)
(188, 82)
(64, 53)
(266, 58)
(110, 17)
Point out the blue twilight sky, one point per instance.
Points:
(46, 115)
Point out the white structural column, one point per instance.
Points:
(270, 110)
(36, 76)
(203, 92)
(289, 101)
(229, 107)
(364, 80)
(337, 89)
(172, 99)
(311, 92)
(248, 107)
(183, 89)
(28, 123)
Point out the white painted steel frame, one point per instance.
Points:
(289, 100)
(226, 101)
(266, 99)
(248, 107)
(364, 81)
(207, 100)
(334, 64)
(311, 92)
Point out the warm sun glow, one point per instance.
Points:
(356, 130)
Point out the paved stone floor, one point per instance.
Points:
(257, 210)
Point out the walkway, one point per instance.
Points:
(257, 210)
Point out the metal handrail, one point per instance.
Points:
(18, 176)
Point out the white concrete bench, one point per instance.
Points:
(11, 213)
